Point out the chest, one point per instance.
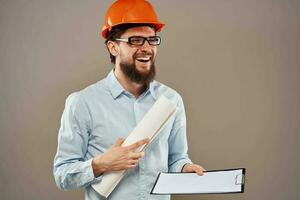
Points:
(116, 119)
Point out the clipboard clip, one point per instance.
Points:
(240, 179)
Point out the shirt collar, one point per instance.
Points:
(152, 91)
(116, 88)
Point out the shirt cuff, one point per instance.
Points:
(90, 173)
(178, 166)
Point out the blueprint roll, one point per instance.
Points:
(155, 120)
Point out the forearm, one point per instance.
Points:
(74, 175)
(178, 148)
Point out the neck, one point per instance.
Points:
(134, 88)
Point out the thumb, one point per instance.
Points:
(119, 142)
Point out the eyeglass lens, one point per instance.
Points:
(137, 40)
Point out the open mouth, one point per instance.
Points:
(143, 59)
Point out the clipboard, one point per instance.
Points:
(224, 181)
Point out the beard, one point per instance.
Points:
(130, 70)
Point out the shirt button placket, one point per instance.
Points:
(136, 110)
(142, 178)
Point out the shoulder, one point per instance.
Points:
(80, 97)
(89, 92)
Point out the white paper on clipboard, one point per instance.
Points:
(212, 182)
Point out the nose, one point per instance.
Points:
(146, 46)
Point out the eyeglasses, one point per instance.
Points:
(140, 41)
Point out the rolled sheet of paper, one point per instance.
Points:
(154, 120)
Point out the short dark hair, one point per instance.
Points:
(117, 32)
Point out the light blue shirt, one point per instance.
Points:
(95, 117)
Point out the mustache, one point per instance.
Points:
(142, 54)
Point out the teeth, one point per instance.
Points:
(143, 59)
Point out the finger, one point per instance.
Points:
(198, 169)
(131, 165)
(119, 142)
(133, 162)
(201, 168)
(137, 155)
(138, 144)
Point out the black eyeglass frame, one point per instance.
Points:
(129, 40)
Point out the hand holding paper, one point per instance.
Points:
(118, 158)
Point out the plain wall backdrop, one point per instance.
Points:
(236, 64)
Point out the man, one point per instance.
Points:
(97, 117)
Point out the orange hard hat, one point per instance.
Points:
(130, 11)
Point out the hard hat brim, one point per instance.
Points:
(158, 26)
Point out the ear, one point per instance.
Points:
(113, 48)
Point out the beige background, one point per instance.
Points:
(235, 62)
